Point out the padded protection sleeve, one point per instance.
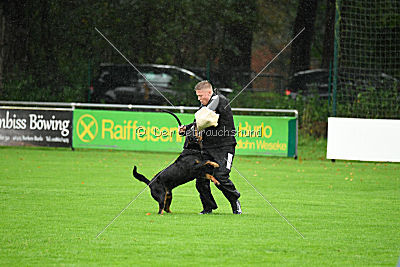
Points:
(206, 118)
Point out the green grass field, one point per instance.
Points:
(55, 201)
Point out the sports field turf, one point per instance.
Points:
(53, 203)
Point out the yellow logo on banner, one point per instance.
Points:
(89, 129)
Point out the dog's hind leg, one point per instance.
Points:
(161, 203)
(168, 200)
(160, 208)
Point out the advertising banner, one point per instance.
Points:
(157, 131)
(30, 127)
(268, 136)
(140, 131)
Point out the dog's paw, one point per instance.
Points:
(212, 163)
(212, 178)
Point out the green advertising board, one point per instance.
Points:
(157, 131)
(265, 135)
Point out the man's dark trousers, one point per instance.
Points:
(222, 157)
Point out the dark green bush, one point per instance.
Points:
(313, 110)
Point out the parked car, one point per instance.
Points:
(121, 83)
(316, 82)
(308, 82)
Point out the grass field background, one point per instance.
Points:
(53, 203)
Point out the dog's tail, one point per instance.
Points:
(139, 176)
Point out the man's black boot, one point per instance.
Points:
(236, 208)
(205, 211)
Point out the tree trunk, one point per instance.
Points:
(301, 47)
(327, 52)
(2, 46)
(237, 44)
(16, 57)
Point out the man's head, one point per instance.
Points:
(204, 92)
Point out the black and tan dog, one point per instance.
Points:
(188, 166)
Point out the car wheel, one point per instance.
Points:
(110, 100)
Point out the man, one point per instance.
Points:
(218, 144)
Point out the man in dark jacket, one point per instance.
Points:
(218, 144)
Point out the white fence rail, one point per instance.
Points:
(130, 106)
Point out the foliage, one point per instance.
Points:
(313, 110)
(27, 90)
(370, 102)
(368, 62)
(55, 44)
(186, 96)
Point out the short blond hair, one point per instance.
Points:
(203, 85)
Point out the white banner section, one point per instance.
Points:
(363, 139)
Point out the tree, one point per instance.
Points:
(327, 53)
(46, 46)
(2, 44)
(301, 47)
(239, 25)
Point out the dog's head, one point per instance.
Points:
(193, 138)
